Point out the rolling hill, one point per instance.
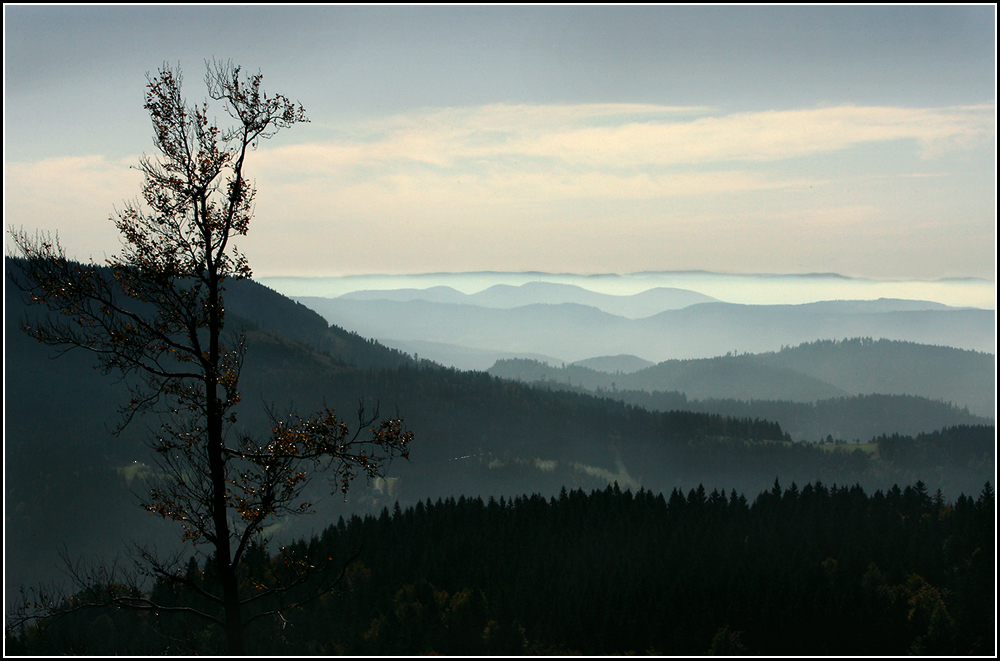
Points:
(807, 373)
(570, 331)
(67, 482)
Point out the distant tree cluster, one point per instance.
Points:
(860, 417)
(815, 570)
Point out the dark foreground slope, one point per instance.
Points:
(67, 482)
(811, 571)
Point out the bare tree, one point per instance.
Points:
(155, 315)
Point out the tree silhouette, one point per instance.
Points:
(155, 315)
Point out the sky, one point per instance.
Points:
(851, 140)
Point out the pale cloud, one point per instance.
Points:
(73, 196)
(616, 136)
(467, 161)
(613, 187)
(469, 191)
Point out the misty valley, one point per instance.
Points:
(552, 330)
(805, 479)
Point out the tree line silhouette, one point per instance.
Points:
(820, 570)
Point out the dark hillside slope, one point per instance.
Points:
(731, 378)
(864, 366)
(268, 310)
(623, 363)
(707, 378)
(67, 482)
(810, 372)
(857, 418)
(859, 366)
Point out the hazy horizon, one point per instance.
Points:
(747, 288)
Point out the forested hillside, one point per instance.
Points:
(840, 419)
(812, 570)
(67, 482)
(809, 372)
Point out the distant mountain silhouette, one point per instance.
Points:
(431, 294)
(463, 358)
(635, 306)
(505, 297)
(757, 289)
(707, 378)
(572, 332)
(622, 363)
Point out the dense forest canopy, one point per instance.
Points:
(811, 570)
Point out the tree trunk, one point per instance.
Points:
(224, 561)
(231, 603)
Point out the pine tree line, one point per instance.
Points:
(814, 570)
